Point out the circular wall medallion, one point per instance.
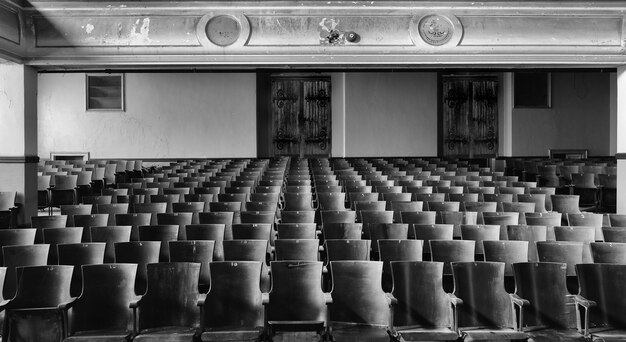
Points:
(223, 30)
(436, 29)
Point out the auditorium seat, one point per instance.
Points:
(17, 237)
(397, 250)
(568, 252)
(296, 231)
(77, 209)
(33, 314)
(249, 250)
(64, 191)
(179, 219)
(608, 252)
(588, 220)
(531, 234)
(233, 308)
(508, 252)
(102, 312)
(90, 220)
(15, 256)
(163, 233)
(297, 250)
(485, 311)
(550, 220)
(226, 218)
(423, 309)
(503, 219)
(77, 255)
(56, 236)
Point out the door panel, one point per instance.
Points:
(301, 116)
(470, 116)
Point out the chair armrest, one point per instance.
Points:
(582, 324)
(65, 306)
(134, 304)
(265, 298)
(4, 303)
(201, 299)
(454, 300)
(454, 303)
(520, 303)
(328, 298)
(391, 299)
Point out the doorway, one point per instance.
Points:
(469, 116)
(300, 112)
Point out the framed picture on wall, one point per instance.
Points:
(532, 89)
(105, 92)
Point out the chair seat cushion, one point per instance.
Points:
(560, 335)
(100, 336)
(167, 334)
(421, 333)
(492, 334)
(358, 332)
(232, 334)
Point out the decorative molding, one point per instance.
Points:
(19, 160)
(313, 34)
(10, 24)
(620, 156)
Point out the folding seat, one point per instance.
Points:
(298, 189)
(167, 199)
(90, 220)
(417, 217)
(296, 301)
(98, 199)
(56, 236)
(503, 219)
(194, 251)
(419, 190)
(298, 201)
(429, 197)
(550, 220)
(617, 220)
(508, 252)
(226, 218)
(337, 216)
(354, 198)
(385, 231)
(448, 251)
(538, 199)
(15, 256)
(587, 220)
(513, 190)
(115, 194)
(614, 234)
(16, 237)
(43, 191)
(608, 252)
(296, 231)
(443, 206)
(262, 206)
(369, 217)
(568, 252)
(360, 310)
(152, 208)
(427, 232)
(547, 176)
(397, 250)
(340, 230)
(480, 207)
(178, 219)
(134, 220)
(331, 201)
(110, 235)
(102, 310)
(233, 207)
(531, 234)
(579, 233)
(404, 206)
(212, 232)
(601, 302)
(64, 191)
(463, 197)
(565, 204)
(297, 216)
(233, 308)
(77, 255)
(77, 209)
(485, 311)
(162, 233)
(140, 253)
(423, 309)
(549, 314)
(250, 250)
(33, 314)
(608, 192)
(297, 249)
(584, 185)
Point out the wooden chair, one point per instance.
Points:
(77, 255)
(608, 252)
(456, 219)
(549, 220)
(508, 252)
(162, 233)
(249, 250)
(538, 199)
(196, 251)
(112, 209)
(297, 216)
(530, 234)
(225, 218)
(233, 308)
(404, 206)
(599, 302)
(103, 308)
(169, 307)
(417, 218)
(614, 234)
(588, 220)
(56, 236)
(485, 311)
(296, 301)
(64, 191)
(383, 231)
(448, 251)
(179, 219)
(297, 249)
(213, 232)
(503, 219)
(360, 309)
(153, 208)
(480, 233)
(397, 250)
(296, 231)
(134, 220)
(617, 220)
(550, 314)
(427, 232)
(21, 255)
(77, 209)
(423, 309)
(90, 220)
(568, 252)
(110, 235)
(140, 253)
(33, 314)
(16, 237)
(337, 216)
(519, 207)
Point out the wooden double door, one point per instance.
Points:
(301, 116)
(470, 116)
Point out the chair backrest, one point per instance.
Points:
(55, 221)
(608, 252)
(614, 234)
(42, 286)
(140, 253)
(602, 283)
(296, 231)
(617, 220)
(449, 251)
(21, 255)
(427, 232)
(72, 210)
(543, 285)
(65, 182)
(345, 249)
(342, 230)
(296, 293)
(331, 200)
(7, 200)
(56, 236)
(90, 220)
(443, 206)
(382, 231)
(134, 220)
(172, 296)
(78, 254)
(503, 219)
(198, 251)
(568, 252)
(508, 252)
(397, 250)
(337, 216)
(297, 249)
(110, 235)
(531, 234)
(16, 237)
(103, 305)
(298, 201)
(419, 290)
(179, 219)
(249, 250)
(235, 298)
(587, 219)
(112, 209)
(213, 232)
(480, 285)
(163, 233)
(480, 233)
(297, 216)
(398, 207)
(357, 293)
(538, 199)
(456, 218)
(419, 217)
(565, 204)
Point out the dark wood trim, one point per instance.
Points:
(263, 119)
(620, 156)
(19, 160)
(440, 133)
